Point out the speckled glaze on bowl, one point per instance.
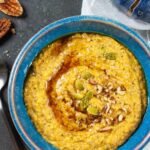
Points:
(52, 32)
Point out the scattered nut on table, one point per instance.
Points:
(11, 7)
(5, 25)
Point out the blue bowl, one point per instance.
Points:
(57, 30)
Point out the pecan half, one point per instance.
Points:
(4, 26)
(2, 1)
(11, 7)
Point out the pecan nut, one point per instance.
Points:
(2, 1)
(5, 25)
(11, 7)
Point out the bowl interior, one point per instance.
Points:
(47, 35)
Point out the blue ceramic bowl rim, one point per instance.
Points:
(43, 31)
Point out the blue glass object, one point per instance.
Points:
(139, 9)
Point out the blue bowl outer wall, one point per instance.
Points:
(51, 33)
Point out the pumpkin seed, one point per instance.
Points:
(78, 96)
(93, 110)
(79, 85)
(110, 56)
(85, 100)
(87, 75)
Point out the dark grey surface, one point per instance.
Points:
(7, 139)
(37, 14)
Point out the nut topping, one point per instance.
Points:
(4, 26)
(105, 98)
(125, 110)
(120, 91)
(110, 111)
(110, 86)
(11, 7)
(106, 129)
(120, 118)
(2, 1)
(108, 121)
(99, 89)
(106, 108)
(92, 81)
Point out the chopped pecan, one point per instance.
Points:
(123, 88)
(106, 108)
(120, 91)
(115, 120)
(11, 7)
(93, 119)
(4, 26)
(110, 111)
(92, 81)
(99, 89)
(125, 110)
(120, 118)
(2, 1)
(110, 86)
(108, 121)
(106, 129)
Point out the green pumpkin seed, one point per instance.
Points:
(85, 100)
(93, 110)
(78, 96)
(87, 75)
(88, 95)
(79, 85)
(110, 56)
